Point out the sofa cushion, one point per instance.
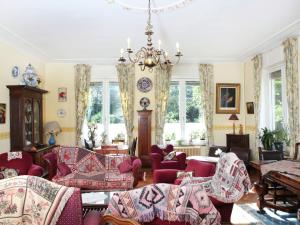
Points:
(8, 172)
(125, 166)
(63, 169)
(201, 169)
(170, 156)
(183, 174)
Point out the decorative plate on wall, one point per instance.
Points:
(61, 113)
(144, 102)
(144, 84)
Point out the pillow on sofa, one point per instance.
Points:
(125, 166)
(64, 170)
(170, 156)
(8, 172)
(183, 174)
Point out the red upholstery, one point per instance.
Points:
(158, 162)
(200, 169)
(24, 165)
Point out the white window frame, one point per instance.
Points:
(182, 102)
(271, 121)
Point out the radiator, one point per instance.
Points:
(191, 150)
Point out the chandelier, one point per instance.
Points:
(149, 56)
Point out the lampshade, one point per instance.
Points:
(233, 117)
(52, 127)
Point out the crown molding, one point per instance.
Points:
(272, 41)
(19, 43)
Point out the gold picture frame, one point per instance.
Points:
(228, 98)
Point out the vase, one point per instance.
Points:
(51, 139)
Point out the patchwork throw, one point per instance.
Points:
(91, 170)
(30, 200)
(167, 202)
(230, 182)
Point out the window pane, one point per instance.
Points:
(277, 99)
(173, 104)
(193, 102)
(115, 109)
(95, 107)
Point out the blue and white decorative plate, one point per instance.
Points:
(144, 84)
(15, 71)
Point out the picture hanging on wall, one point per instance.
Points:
(250, 107)
(228, 98)
(2, 112)
(62, 94)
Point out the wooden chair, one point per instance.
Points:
(269, 154)
(109, 219)
(296, 153)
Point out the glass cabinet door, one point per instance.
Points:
(28, 114)
(36, 122)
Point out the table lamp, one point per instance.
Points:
(233, 117)
(52, 128)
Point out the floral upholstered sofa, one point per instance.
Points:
(79, 167)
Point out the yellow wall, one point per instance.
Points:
(10, 57)
(61, 75)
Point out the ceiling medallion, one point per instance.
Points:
(159, 9)
(149, 56)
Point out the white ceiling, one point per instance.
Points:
(94, 31)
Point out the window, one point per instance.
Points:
(184, 118)
(277, 100)
(104, 111)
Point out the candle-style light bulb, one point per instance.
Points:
(121, 52)
(128, 43)
(177, 47)
(159, 44)
(166, 55)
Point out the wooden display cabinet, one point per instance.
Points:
(144, 137)
(26, 117)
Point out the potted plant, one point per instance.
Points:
(170, 137)
(281, 139)
(92, 127)
(203, 138)
(267, 138)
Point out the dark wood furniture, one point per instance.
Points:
(237, 140)
(262, 188)
(270, 154)
(26, 117)
(144, 136)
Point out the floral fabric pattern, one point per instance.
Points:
(8, 173)
(162, 87)
(126, 76)
(206, 72)
(82, 86)
(290, 47)
(257, 68)
(31, 200)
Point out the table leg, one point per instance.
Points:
(261, 189)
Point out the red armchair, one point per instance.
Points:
(158, 162)
(200, 169)
(24, 166)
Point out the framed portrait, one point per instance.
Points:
(250, 107)
(228, 98)
(2, 113)
(62, 94)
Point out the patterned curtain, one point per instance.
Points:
(292, 88)
(82, 86)
(162, 86)
(206, 72)
(257, 68)
(126, 76)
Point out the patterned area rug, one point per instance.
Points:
(247, 214)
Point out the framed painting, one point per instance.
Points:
(250, 107)
(62, 94)
(228, 98)
(2, 112)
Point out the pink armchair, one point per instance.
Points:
(158, 162)
(200, 169)
(25, 165)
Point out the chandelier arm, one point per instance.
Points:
(138, 55)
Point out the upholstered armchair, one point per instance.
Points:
(242, 154)
(24, 166)
(199, 169)
(158, 161)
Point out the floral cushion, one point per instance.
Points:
(170, 156)
(8, 172)
(183, 174)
